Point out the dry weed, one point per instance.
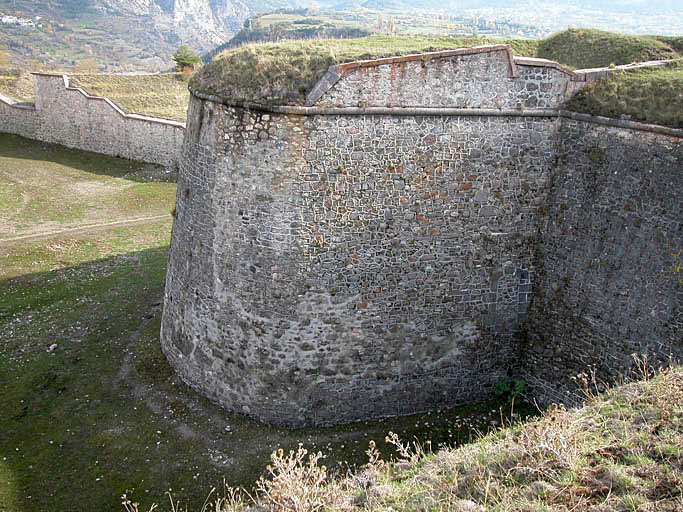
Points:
(297, 483)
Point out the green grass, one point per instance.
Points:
(163, 95)
(590, 48)
(85, 434)
(652, 95)
(279, 73)
(65, 409)
(138, 197)
(46, 187)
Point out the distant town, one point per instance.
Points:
(9, 19)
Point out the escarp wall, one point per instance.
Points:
(373, 252)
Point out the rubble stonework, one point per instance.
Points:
(377, 251)
(604, 286)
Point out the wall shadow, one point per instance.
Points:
(15, 146)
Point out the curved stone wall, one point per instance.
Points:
(331, 268)
(332, 263)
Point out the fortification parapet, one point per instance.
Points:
(71, 117)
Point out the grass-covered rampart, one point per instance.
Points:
(589, 48)
(162, 95)
(280, 73)
(652, 95)
(283, 73)
(16, 83)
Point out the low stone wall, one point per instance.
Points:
(69, 116)
(18, 118)
(603, 288)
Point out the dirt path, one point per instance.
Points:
(88, 228)
(219, 450)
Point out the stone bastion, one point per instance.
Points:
(373, 251)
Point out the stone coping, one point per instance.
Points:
(622, 123)
(16, 103)
(545, 63)
(592, 74)
(113, 105)
(438, 111)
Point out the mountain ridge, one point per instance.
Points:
(121, 34)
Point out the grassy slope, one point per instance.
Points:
(623, 451)
(652, 95)
(16, 84)
(44, 187)
(163, 95)
(589, 48)
(63, 410)
(279, 73)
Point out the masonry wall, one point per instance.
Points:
(486, 77)
(388, 249)
(610, 229)
(70, 117)
(331, 268)
(20, 119)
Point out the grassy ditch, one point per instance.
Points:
(163, 95)
(651, 95)
(622, 451)
(90, 409)
(46, 187)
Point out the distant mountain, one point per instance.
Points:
(140, 34)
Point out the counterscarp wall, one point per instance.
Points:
(611, 228)
(69, 116)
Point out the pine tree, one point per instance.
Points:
(185, 58)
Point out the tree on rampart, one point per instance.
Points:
(185, 58)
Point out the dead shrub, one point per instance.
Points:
(297, 483)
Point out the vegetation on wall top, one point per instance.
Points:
(280, 73)
(590, 48)
(161, 95)
(651, 95)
